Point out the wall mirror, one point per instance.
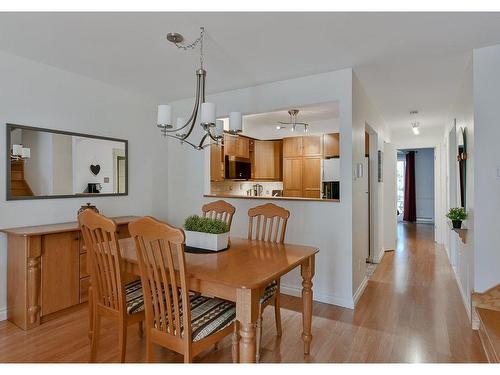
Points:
(44, 163)
(462, 165)
(289, 153)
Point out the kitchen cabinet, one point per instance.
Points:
(236, 146)
(267, 160)
(331, 145)
(216, 163)
(47, 270)
(311, 180)
(312, 146)
(292, 177)
(292, 147)
(302, 166)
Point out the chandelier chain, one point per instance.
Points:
(192, 45)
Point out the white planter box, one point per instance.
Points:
(207, 241)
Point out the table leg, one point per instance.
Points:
(307, 272)
(247, 304)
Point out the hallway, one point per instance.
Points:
(411, 311)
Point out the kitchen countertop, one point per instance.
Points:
(268, 197)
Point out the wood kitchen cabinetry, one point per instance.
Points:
(302, 166)
(331, 145)
(237, 146)
(267, 160)
(47, 270)
(216, 163)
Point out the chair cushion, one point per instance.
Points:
(269, 292)
(210, 315)
(134, 297)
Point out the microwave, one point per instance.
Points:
(237, 169)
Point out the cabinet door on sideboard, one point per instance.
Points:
(60, 271)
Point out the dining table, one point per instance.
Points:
(240, 274)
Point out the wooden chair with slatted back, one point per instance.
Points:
(188, 331)
(109, 296)
(219, 210)
(268, 223)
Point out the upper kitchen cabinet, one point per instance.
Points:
(236, 146)
(216, 163)
(268, 160)
(292, 147)
(331, 145)
(312, 145)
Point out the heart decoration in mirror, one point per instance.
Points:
(95, 169)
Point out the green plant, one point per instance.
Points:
(204, 224)
(457, 213)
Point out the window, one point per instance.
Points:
(400, 176)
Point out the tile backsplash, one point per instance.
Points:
(240, 187)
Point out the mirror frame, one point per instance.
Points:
(9, 127)
(462, 167)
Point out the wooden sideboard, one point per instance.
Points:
(47, 270)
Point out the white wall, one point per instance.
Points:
(486, 155)
(390, 197)
(424, 184)
(39, 95)
(461, 255)
(62, 165)
(38, 168)
(88, 151)
(364, 112)
(327, 225)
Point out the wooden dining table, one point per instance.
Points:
(240, 274)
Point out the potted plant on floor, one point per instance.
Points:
(457, 215)
(205, 233)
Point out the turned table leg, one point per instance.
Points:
(247, 305)
(307, 272)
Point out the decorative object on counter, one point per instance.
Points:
(95, 169)
(205, 233)
(457, 215)
(88, 206)
(293, 121)
(213, 129)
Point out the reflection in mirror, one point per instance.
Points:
(292, 152)
(462, 164)
(45, 164)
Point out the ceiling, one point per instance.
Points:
(405, 61)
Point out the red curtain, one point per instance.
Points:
(410, 205)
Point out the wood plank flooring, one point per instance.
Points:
(411, 311)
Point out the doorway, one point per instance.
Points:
(415, 185)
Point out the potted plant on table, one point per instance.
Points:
(206, 233)
(457, 215)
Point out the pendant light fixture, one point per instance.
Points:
(414, 123)
(213, 129)
(293, 122)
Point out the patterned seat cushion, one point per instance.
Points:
(134, 297)
(208, 315)
(269, 292)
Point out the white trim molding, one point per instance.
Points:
(292, 290)
(360, 290)
(3, 314)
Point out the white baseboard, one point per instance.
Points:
(464, 298)
(360, 290)
(3, 314)
(319, 297)
(379, 256)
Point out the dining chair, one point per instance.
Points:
(219, 210)
(109, 297)
(162, 264)
(268, 223)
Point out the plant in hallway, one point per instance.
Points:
(206, 233)
(457, 215)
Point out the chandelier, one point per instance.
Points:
(293, 121)
(213, 129)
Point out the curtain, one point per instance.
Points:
(410, 205)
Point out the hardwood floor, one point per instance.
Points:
(411, 311)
